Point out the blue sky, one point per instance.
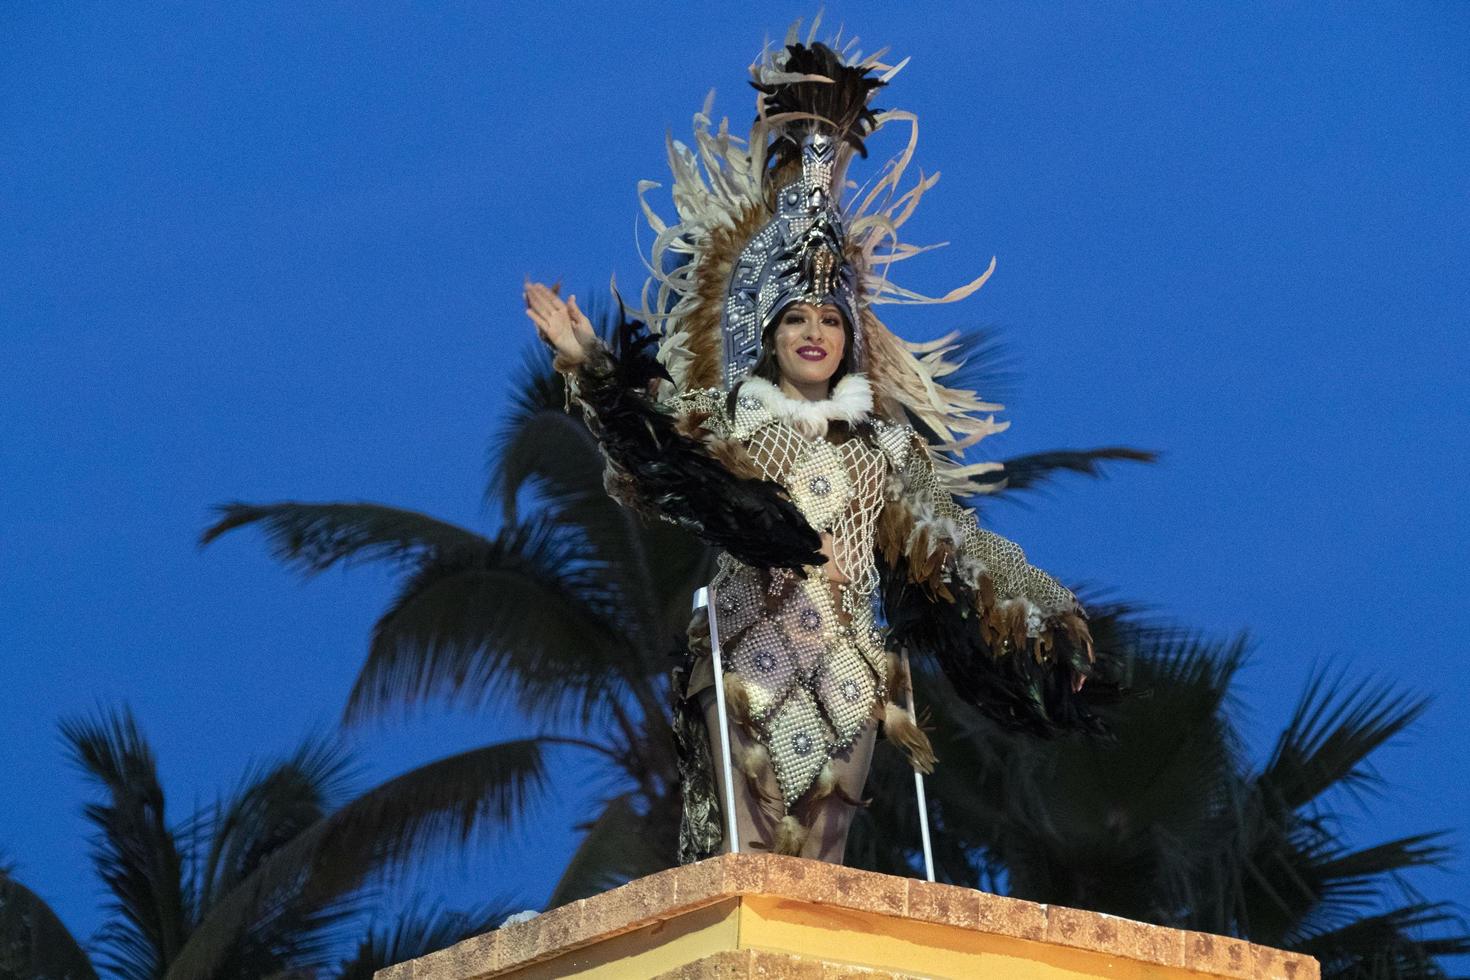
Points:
(274, 251)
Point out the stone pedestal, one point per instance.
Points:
(753, 915)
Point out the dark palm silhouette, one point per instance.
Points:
(1171, 824)
(570, 613)
(265, 881)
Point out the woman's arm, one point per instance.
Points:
(661, 461)
(1012, 639)
(990, 563)
(564, 327)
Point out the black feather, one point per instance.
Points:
(1011, 689)
(634, 344)
(1034, 469)
(842, 100)
(676, 477)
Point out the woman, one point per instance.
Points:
(776, 369)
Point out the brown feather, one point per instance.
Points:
(790, 836)
(1078, 633)
(825, 782)
(691, 425)
(734, 457)
(702, 324)
(901, 730)
(754, 763)
(826, 785)
(898, 678)
(895, 524)
(737, 698)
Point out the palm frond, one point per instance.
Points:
(526, 615)
(1121, 828)
(616, 848)
(34, 943)
(1333, 730)
(555, 457)
(1413, 851)
(135, 852)
(1348, 884)
(418, 931)
(271, 806)
(552, 455)
(1389, 944)
(542, 447)
(383, 831)
(313, 537)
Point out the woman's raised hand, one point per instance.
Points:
(561, 324)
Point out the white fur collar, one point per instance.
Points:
(851, 400)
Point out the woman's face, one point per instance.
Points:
(809, 342)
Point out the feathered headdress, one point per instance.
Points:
(761, 224)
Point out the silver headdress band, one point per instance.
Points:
(799, 256)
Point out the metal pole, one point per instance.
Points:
(706, 597)
(919, 779)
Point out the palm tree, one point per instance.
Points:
(570, 613)
(265, 881)
(1170, 823)
(34, 944)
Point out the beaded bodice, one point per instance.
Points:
(839, 487)
(808, 654)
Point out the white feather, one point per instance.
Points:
(851, 401)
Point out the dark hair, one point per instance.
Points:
(767, 367)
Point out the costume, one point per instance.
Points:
(870, 474)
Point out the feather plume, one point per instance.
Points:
(737, 698)
(815, 86)
(754, 764)
(825, 782)
(1023, 684)
(901, 729)
(790, 836)
(676, 477)
(722, 187)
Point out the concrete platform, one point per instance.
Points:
(752, 915)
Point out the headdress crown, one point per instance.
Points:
(761, 224)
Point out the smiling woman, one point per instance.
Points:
(773, 364)
(807, 352)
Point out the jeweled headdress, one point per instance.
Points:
(761, 223)
(798, 256)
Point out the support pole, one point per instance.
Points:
(919, 779)
(706, 598)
